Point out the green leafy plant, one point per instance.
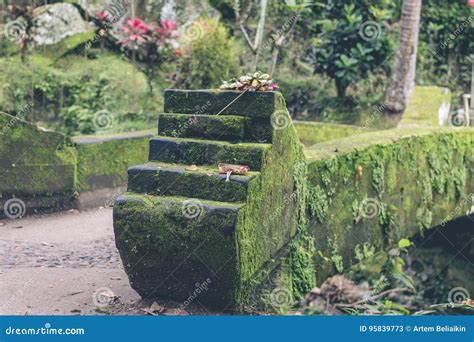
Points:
(210, 56)
(351, 40)
(445, 43)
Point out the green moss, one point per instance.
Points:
(104, 164)
(175, 180)
(250, 104)
(34, 162)
(66, 45)
(364, 252)
(270, 222)
(412, 179)
(311, 133)
(192, 249)
(424, 105)
(317, 203)
(378, 175)
(199, 152)
(202, 126)
(57, 85)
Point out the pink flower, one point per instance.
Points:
(274, 86)
(168, 28)
(169, 25)
(136, 30)
(160, 31)
(137, 26)
(103, 15)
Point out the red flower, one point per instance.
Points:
(136, 30)
(137, 26)
(103, 15)
(169, 25)
(160, 31)
(168, 28)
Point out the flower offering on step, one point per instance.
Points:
(230, 169)
(253, 82)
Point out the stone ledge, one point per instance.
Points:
(251, 104)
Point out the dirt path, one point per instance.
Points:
(67, 264)
(59, 263)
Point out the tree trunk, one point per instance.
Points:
(341, 88)
(403, 73)
(257, 44)
(259, 34)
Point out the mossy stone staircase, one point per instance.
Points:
(178, 227)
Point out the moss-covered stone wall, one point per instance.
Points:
(35, 165)
(311, 133)
(102, 162)
(46, 170)
(374, 189)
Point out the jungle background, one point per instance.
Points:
(60, 71)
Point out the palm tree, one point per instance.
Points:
(403, 73)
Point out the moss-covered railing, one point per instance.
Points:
(366, 192)
(41, 169)
(297, 217)
(36, 166)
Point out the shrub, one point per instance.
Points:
(352, 40)
(211, 56)
(303, 93)
(445, 43)
(68, 94)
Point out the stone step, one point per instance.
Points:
(206, 152)
(253, 104)
(164, 179)
(172, 245)
(216, 127)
